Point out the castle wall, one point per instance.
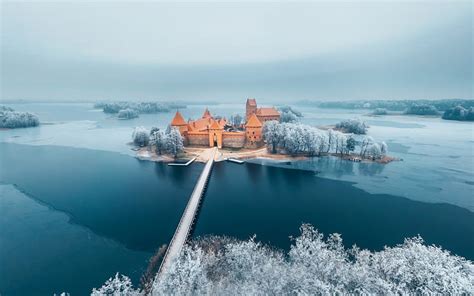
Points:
(198, 138)
(233, 139)
(264, 119)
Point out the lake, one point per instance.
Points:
(76, 208)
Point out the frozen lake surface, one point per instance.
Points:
(70, 189)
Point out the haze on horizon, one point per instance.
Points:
(227, 51)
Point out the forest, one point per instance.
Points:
(314, 265)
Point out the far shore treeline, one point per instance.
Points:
(129, 110)
(449, 109)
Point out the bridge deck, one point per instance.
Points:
(187, 219)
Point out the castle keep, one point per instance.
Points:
(209, 131)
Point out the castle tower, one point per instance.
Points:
(215, 134)
(206, 114)
(253, 132)
(178, 122)
(250, 108)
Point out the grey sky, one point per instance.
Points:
(281, 51)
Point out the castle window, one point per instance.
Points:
(253, 133)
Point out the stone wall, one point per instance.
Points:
(264, 119)
(233, 139)
(198, 139)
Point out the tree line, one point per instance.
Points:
(297, 138)
(169, 141)
(135, 108)
(314, 265)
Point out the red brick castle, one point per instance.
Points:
(211, 132)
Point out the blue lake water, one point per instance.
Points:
(72, 217)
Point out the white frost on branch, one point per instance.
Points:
(13, 119)
(314, 265)
(120, 285)
(140, 136)
(297, 138)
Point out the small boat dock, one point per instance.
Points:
(235, 160)
(182, 164)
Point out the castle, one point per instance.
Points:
(209, 131)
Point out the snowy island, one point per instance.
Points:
(266, 133)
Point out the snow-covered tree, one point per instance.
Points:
(314, 265)
(272, 133)
(422, 109)
(13, 119)
(380, 111)
(354, 126)
(120, 285)
(297, 138)
(350, 144)
(365, 144)
(159, 141)
(288, 117)
(127, 114)
(383, 148)
(174, 142)
(374, 151)
(141, 136)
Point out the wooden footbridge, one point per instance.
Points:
(187, 219)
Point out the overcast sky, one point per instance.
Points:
(227, 51)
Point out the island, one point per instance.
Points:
(264, 134)
(10, 118)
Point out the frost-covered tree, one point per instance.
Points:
(314, 265)
(374, 151)
(174, 142)
(459, 113)
(127, 114)
(139, 107)
(120, 285)
(350, 144)
(365, 144)
(288, 117)
(141, 136)
(353, 126)
(13, 119)
(422, 109)
(331, 139)
(288, 109)
(380, 111)
(153, 130)
(340, 143)
(383, 148)
(272, 133)
(297, 138)
(159, 141)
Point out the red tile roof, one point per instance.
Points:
(268, 112)
(178, 120)
(206, 114)
(253, 121)
(215, 125)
